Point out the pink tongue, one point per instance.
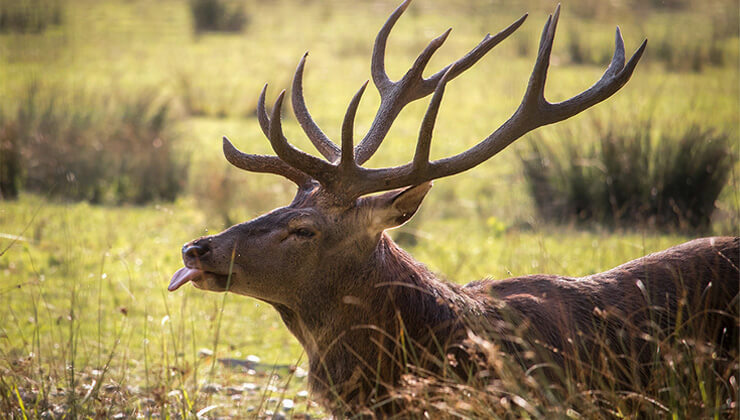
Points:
(183, 276)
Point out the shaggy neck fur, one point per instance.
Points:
(387, 312)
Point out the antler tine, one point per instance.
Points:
(615, 76)
(417, 69)
(322, 143)
(313, 166)
(472, 57)
(347, 163)
(535, 93)
(423, 145)
(262, 117)
(377, 63)
(262, 163)
(617, 62)
(412, 86)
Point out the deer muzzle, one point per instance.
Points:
(197, 257)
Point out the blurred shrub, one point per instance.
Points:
(29, 16)
(690, 56)
(627, 178)
(191, 97)
(10, 164)
(677, 56)
(583, 51)
(230, 195)
(218, 15)
(198, 101)
(103, 150)
(219, 192)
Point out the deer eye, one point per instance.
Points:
(303, 233)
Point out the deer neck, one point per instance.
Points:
(389, 281)
(372, 306)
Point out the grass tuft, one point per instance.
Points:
(102, 150)
(29, 16)
(218, 15)
(628, 178)
(10, 160)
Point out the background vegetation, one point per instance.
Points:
(111, 114)
(628, 178)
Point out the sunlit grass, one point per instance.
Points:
(85, 286)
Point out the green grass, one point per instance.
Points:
(627, 178)
(85, 286)
(110, 149)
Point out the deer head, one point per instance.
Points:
(296, 247)
(334, 225)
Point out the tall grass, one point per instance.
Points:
(92, 336)
(690, 379)
(627, 177)
(98, 149)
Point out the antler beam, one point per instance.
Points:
(325, 146)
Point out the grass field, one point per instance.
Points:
(89, 329)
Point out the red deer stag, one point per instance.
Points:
(357, 302)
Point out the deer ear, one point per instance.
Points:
(395, 208)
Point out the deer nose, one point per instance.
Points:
(194, 250)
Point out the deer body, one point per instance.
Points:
(355, 342)
(365, 311)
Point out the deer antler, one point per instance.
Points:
(394, 96)
(342, 174)
(534, 111)
(263, 163)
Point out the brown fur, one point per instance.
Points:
(361, 355)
